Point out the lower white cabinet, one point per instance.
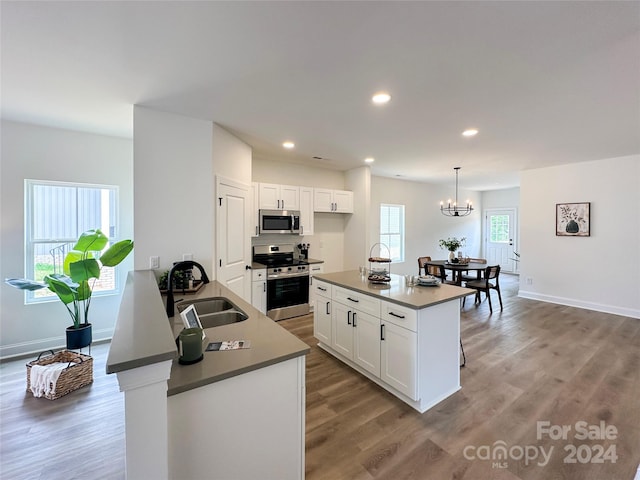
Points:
(412, 353)
(259, 289)
(315, 269)
(356, 332)
(398, 354)
(322, 311)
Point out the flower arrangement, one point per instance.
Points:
(452, 243)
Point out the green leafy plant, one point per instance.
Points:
(452, 243)
(82, 267)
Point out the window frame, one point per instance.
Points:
(30, 242)
(401, 234)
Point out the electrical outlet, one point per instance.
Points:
(154, 262)
(187, 256)
(529, 281)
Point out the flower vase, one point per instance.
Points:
(452, 255)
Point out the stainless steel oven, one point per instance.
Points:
(287, 281)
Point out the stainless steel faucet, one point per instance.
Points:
(181, 266)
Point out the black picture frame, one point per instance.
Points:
(573, 219)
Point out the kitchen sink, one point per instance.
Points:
(215, 311)
(210, 320)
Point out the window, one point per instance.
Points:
(392, 230)
(499, 228)
(56, 214)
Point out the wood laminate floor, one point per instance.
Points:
(533, 363)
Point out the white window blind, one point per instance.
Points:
(392, 230)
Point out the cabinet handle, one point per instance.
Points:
(354, 319)
(382, 331)
(264, 287)
(353, 299)
(349, 317)
(256, 229)
(322, 289)
(396, 315)
(327, 310)
(283, 204)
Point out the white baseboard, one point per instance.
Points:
(34, 347)
(571, 302)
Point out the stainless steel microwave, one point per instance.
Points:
(279, 221)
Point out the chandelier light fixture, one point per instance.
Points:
(453, 210)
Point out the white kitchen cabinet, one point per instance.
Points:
(411, 351)
(342, 330)
(332, 201)
(306, 211)
(366, 341)
(356, 328)
(398, 354)
(279, 197)
(255, 210)
(314, 269)
(322, 310)
(259, 289)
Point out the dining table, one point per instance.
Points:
(459, 268)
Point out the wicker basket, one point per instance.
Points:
(78, 373)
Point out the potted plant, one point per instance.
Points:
(452, 244)
(74, 287)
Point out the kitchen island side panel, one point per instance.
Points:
(438, 352)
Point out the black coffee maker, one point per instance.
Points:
(304, 250)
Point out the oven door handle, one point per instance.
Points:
(288, 275)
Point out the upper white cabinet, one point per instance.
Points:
(333, 201)
(306, 211)
(279, 197)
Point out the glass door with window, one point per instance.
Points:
(500, 239)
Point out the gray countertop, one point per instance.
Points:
(415, 297)
(144, 336)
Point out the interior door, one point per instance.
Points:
(233, 236)
(500, 238)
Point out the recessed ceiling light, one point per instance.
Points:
(288, 144)
(380, 98)
(369, 160)
(470, 132)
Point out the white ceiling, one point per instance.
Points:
(545, 82)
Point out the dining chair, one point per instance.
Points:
(469, 278)
(439, 271)
(427, 269)
(489, 282)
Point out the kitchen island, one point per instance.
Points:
(404, 338)
(206, 419)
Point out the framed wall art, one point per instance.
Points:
(573, 219)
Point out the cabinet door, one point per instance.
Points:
(289, 197)
(342, 330)
(366, 341)
(322, 200)
(399, 347)
(306, 211)
(343, 201)
(259, 296)
(322, 319)
(269, 195)
(315, 269)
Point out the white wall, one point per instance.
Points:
(231, 156)
(173, 181)
(42, 153)
(600, 272)
(506, 198)
(424, 224)
(357, 226)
